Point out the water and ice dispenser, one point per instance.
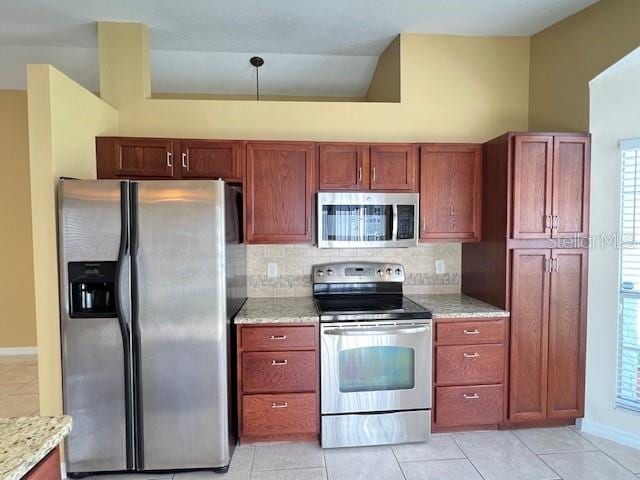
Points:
(92, 289)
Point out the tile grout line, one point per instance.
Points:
(466, 456)
(397, 462)
(606, 454)
(537, 456)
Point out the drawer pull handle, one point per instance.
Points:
(279, 405)
(473, 396)
(279, 362)
(278, 337)
(471, 355)
(475, 331)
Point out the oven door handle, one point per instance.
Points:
(377, 331)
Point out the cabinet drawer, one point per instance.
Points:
(472, 405)
(278, 338)
(266, 372)
(279, 415)
(481, 331)
(470, 364)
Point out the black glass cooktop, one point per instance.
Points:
(368, 307)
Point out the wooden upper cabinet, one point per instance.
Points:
(550, 186)
(529, 334)
(343, 166)
(279, 191)
(532, 174)
(450, 192)
(211, 159)
(571, 173)
(393, 167)
(567, 333)
(120, 157)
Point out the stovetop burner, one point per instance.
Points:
(363, 291)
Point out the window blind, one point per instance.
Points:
(628, 374)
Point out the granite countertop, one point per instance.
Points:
(303, 309)
(24, 441)
(457, 305)
(278, 310)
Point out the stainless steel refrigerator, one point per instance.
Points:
(151, 273)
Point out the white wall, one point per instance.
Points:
(615, 103)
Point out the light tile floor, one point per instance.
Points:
(18, 386)
(532, 454)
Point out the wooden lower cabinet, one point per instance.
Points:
(470, 365)
(47, 469)
(278, 375)
(548, 334)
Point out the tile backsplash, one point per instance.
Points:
(294, 262)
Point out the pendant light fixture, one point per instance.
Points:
(257, 62)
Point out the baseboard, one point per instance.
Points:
(610, 433)
(63, 470)
(17, 351)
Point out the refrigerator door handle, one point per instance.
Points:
(122, 320)
(135, 323)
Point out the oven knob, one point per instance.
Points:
(389, 271)
(329, 272)
(320, 273)
(398, 271)
(379, 272)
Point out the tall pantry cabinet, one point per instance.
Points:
(533, 261)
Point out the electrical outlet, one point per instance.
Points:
(272, 270)
(439, 267)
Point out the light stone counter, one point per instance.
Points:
(457, 305)
(278, 310)
(24, 441)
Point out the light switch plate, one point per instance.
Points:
(272, 270)
(439, 267)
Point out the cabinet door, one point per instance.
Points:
(571, 161)
(343, 166)
(211, 159)
(529, 334)
(567, 333)
(450, 196)
(119, 157)
(532, 170)
(393, 167)
(279, 192)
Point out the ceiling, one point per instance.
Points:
(297, 37)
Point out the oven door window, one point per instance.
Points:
(376, 368)
(357, 223)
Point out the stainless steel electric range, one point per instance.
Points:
(375, 354)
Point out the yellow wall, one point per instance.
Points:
(64, 119)
(454, 88)
(567, 55)
(386, 83)
(17, 307)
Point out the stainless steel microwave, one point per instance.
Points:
(367, 219)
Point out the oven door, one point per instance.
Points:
(376, 367)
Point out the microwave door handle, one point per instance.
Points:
(343, 332)
(394, 231)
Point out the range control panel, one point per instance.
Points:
(358, 272)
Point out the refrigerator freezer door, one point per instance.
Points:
(93, 348)
(180, 324)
